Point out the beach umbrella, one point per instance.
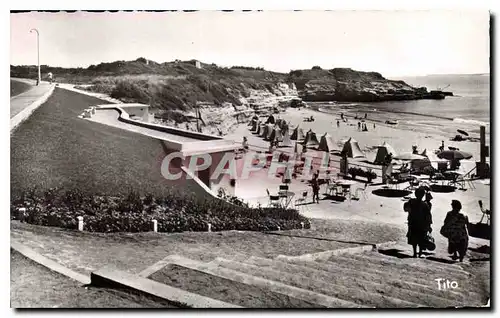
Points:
(408, 156)
(454, 155)
(271, 120)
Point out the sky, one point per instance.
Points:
(393, 43)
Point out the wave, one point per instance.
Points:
(471, 121)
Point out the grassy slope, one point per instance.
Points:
(17, 88)
(34, 286)
(56, 148)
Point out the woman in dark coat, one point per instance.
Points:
(455, 230)
(419, 221)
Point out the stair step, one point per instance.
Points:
(395, 278)
(225, 290)
(298, 293)
(416, 265)
(424, 273)
(425, 295)
(300, 280)
(420, 262)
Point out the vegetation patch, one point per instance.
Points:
(175, 212)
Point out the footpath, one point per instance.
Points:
(22, 105)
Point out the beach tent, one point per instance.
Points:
(286, 141)
(271, 120)
(382, 152)
(311, 140)
(298, 149)
(252, 122)
(255, 126)
(424, 153)
(262, 131)
(297, 134)
(268, 130)
(276, 134)
(351, 148)
(326, 143)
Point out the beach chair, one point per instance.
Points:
(274, 200)
(347, 193)
(301, 201)
(360, 192)
(283, 189)
(486, 212)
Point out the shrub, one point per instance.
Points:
(132, 213)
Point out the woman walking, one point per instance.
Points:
(455, 230)
(419, 221)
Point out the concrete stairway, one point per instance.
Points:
(364, 279)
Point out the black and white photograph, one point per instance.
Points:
(264, 159)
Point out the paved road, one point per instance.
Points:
(55, 148)
(21, 101)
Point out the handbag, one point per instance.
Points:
(430, 244)
(445, 231)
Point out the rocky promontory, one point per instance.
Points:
(347, 85)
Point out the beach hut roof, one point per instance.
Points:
(326, 143)
(297, 134)
(262, 130)
(311, 139)
(382, 152)
(276, 134)
(271, 120)
(352, 150)
(286, 142)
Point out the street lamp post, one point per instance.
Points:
(38, 54)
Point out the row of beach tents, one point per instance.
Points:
(277, 130)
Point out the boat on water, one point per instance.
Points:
(391, 122)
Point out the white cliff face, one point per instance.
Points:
(266, 98)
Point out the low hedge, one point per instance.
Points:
(133, 213)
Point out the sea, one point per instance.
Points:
(467, 110)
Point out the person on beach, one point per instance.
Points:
(455, 230)
(442, 146)
(373, 125)
(366, 115)
(315, 188)
(359, 125)
(419, 221)
(245, 143)
(415, 150)
(342, 116)
(338, 123)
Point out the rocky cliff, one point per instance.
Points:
(180, 85)
(347, 85)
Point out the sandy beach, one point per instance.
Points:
(401, 140)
